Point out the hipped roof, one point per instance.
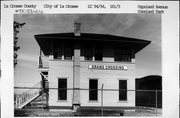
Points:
(44, 40)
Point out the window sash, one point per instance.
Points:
(62, 89)
(58, 53)
(98, 53)
(122, 90)
(122, 55)
(88, 53)
(68, 53)
(93, 89)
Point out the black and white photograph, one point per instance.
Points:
(89, 59)
(87, 65)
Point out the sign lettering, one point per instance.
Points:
(107, 67)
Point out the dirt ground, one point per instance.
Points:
(144, 112)
(66, 113)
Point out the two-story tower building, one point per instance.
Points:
(78, 64)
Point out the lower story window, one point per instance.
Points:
(62, 89)
(93, 89)
(122, 90)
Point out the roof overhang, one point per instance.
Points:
(45, 40)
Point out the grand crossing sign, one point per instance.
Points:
(107, 67)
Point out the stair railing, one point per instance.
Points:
(29, 95)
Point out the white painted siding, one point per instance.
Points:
(110, 79)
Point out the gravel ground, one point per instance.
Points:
(47, 113)
(144, 112)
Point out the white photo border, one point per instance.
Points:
(170, 48)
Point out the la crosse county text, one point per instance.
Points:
(20, 6)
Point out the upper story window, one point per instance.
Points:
(98, 53)
(88, 52)
(122, 55)
(58, 51)
(68, 51)
(63, 49)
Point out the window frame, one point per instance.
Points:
(120, 57)
(84, 50)
(122, 92)
(96, 90)
(58, 50)
(98, 48)
(68, 47)
(59, 98)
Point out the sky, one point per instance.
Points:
(141, 26)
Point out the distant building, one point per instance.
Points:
(151, 84)
(88, 61)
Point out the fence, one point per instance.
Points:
(105, 98)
